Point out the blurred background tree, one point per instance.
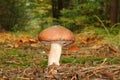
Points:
(13, 14)
(74, 14)
(114, 11)
(20, 14)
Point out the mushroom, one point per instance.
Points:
(57, 36)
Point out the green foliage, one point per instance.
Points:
(40, 14)
(14, 14)
(115, 35)
(81, 13)
(111, 34)
(76, 14)
(24, 14)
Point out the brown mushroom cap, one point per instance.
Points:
(57, 34)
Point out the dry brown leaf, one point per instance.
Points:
(108, 74)
(73, 48)
(32, 41)
(17, 43)
(24, 39)
(112, 49)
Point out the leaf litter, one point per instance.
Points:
(85, 46)
(63, 72)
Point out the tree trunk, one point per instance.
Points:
(114, 11)
(57, 5)
(54, 8)
(60, 7)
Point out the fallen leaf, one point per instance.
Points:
(73, 48)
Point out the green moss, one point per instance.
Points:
(97, 60)
(14, 58)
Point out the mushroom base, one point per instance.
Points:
(55, 53)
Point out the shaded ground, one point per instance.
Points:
(89, 58)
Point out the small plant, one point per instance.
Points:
(112, 32)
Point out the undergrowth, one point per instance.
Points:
(110, 33)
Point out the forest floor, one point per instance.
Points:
(23, 57)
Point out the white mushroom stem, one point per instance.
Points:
(55, 53)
